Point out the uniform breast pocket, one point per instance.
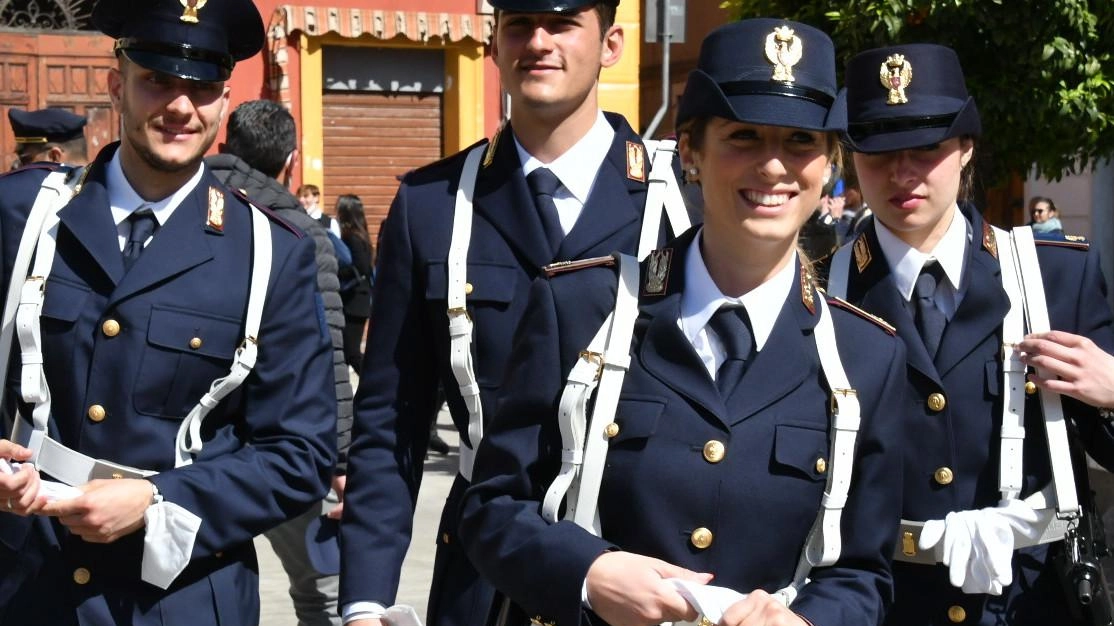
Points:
(62, 305)
(185, 352)
(492, 284)
(800, 450)
(636, 420)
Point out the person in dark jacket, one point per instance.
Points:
(354, 279)
(261, 148)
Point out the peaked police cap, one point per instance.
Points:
(763, 71)
(45, 125)
(192, 39)
(546, 6)
(906, 96)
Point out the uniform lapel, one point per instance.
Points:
(89, 219)
(616, 199)
(783, 363)
(982, 309)
(503, 198)
(665, 351)
(178, 245)
(871, 286)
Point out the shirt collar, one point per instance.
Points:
(578, 166)
(123, 199)
(701, 297)
(906, 261)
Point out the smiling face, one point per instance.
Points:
(167, 122)
(914, 192)
(549, 62)
(760, 183)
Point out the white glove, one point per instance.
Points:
(978, 545)
(167, 543)
(711, 602)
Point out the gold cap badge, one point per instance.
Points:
(783, 49)
(189, 16)
(216, 209)
(636, 161)
(896, 73)
(657, 271)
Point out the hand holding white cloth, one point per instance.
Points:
(168, 542)
(712, 601)
(977, 546)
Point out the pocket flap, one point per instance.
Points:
(637, 418)
(798, 447)
(63, 300)
(491, 282)
(194, 332)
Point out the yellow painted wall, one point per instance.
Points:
(462, 110)
(619, 84)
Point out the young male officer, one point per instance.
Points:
(549, 56)
(150, 297)
(51, 134)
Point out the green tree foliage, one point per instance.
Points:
(1040, 70)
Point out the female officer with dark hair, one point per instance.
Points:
(979, 538)
(719, 449)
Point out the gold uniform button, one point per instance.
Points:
(611, 430)
(714, 451)
(81, 576)
(821, 465)
(97, 413)
(944, 476)
(195, 343)
(445, 538)
(1030, 387)
(701, 538)
(937, 402)
(956, 614)
(110, 328)
(468, 289)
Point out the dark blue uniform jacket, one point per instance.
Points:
(408, 349)
(269, 447)
(964, 435)
(759, 501)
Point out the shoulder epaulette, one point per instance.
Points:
(33, 166)
(1077, 242)
(870, 317)
(562, 267)
(268, 211)
(442, 161)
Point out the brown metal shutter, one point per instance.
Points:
(370, 139)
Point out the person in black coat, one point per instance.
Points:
(926, 254)
(719, 448)
(355, 281)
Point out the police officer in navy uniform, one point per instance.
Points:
(549, 55)
(144, 309)
(719, 449)
(54, 135)
(912, 127)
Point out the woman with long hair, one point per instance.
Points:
(355, 283)
(719, 450)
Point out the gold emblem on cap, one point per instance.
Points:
(657, 271)
(636, 161)
(216, 209)
(192, 7)
(896, 74)
(783, 49)
(862, 253)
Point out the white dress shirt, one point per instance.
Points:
(577, 169)
(702, 298)
(123, 199)
(950, 252)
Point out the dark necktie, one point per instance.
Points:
(929, 318)
(543, 184)
(732, 325)
(143, 225)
